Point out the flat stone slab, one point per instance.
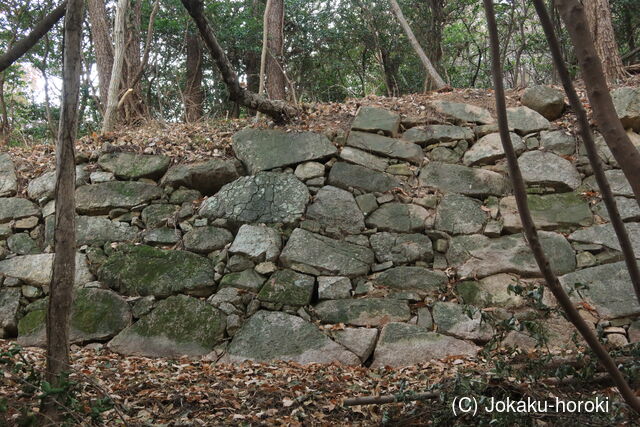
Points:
(628, 208)
(604, 234)
(524, 120)
(346, 176)
(401, 344)
(543, 169)
(259, 243)
(264, 149)
(178, 326)
(478, 256)
(463, 113)
(43, 187)
(385, 146)
(401, 248)
(433, 134)
(607, 287)
(134, 166)
(488, 149)
(8, 180)
(206, 177)
(94, 230)
(617, 181)
(412, 278)
(268, 197)
(16, 207)
(143, 270)
(364, 159)
(458, 214)
(326, 256)
(270, 335)
(398, 217)
(96, 315)
(337, 209)
(207, 239)
(363, 312)
(464, 180)
(96, 199)
(372, 119)
(550, 212)
(36, 269)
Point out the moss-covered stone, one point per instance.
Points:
(287, 287)
(157, 215)
(96, 199)
(363, 312)
(134, 166)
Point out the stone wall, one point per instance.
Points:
(397, 243)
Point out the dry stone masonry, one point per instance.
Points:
(394, 244)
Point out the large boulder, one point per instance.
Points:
(43, 187)
(627, 103)
(545, 100)
(372, 119)
(401, 344)
(259, 243)
(96, 199)
(412, 278)
(324, 256)
(548, 170)
(9, 310)
(206, 177)
(524, 120)
(269, 336)
(478, 256)
(488, 149)
(385, 146)
(94, 230)
(337, 209)
(36, 269)
(604, 234)
(96, 315)
(401, 248)
(550, 212)
(463, 113)
(8, 180)
(458, 214)
(143, 270)
(433, 134)
(267, 197)
(398, 217)
(264, 149)
(178, 326)
(134, 166)
(363, 312)
(16, 207)
(464, 180)
(347, 176)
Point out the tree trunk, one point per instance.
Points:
(274, 68)
(438, 83)
(64, 261)
(529, 226)
(23, 45)
(598, 13)
(193, 95)
(604, 112)
(133, 108)
(116, 71)
(280, 111)
(102, 46)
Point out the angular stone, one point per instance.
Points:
(547, 101)
(607, 288)
(407, 345)
(287, 287)
(22, 244)
(464, 180)
(364, 159)
(94, 230)
(458, 214)
(398, 217)
(267, 197)
(158, 214)
(206, 239)
(12, 208)
(184, 195)
(543, 169)
(363, 312)
(492, 291)
(479, 256)
(628, 208)
(461, 321)
(259, 243)
(36, 269)
(604, 234)
(432, 134)
(132, 166)
(386, 146)
(627, 103)
(247, 279)
(326, 256)
(550, 212)
(43, 187)
(161, 236)
(269, 336)
(9, 309)
(265, 149)
(334, 287)
(488, 149)
(346, 176)
(412, 278)
(178, 326)
(309, 170)
(559, 142)
(96, 199)
(617, 181)
(8, 180)
(360, 341)
(206, 177)
(143, 270)
(554, 333)
(96, 315)
(371, 119)
(463, 113)
(337, 209)
(401, 248)
(524, 120)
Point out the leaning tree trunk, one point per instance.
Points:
(274, 66)
(102, 47)
(529, 226)
(193, 95)
(598, 14)
(116, 71)
(64, 261)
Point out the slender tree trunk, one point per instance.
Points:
(529, 226)
(598, 13)
(4, 116)
(102, 46)
(265, 43)
(604, 112)
(438, 83)
(133, 107)
(64, 261)
(110, 113)
(193, 95)
(274, 18)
